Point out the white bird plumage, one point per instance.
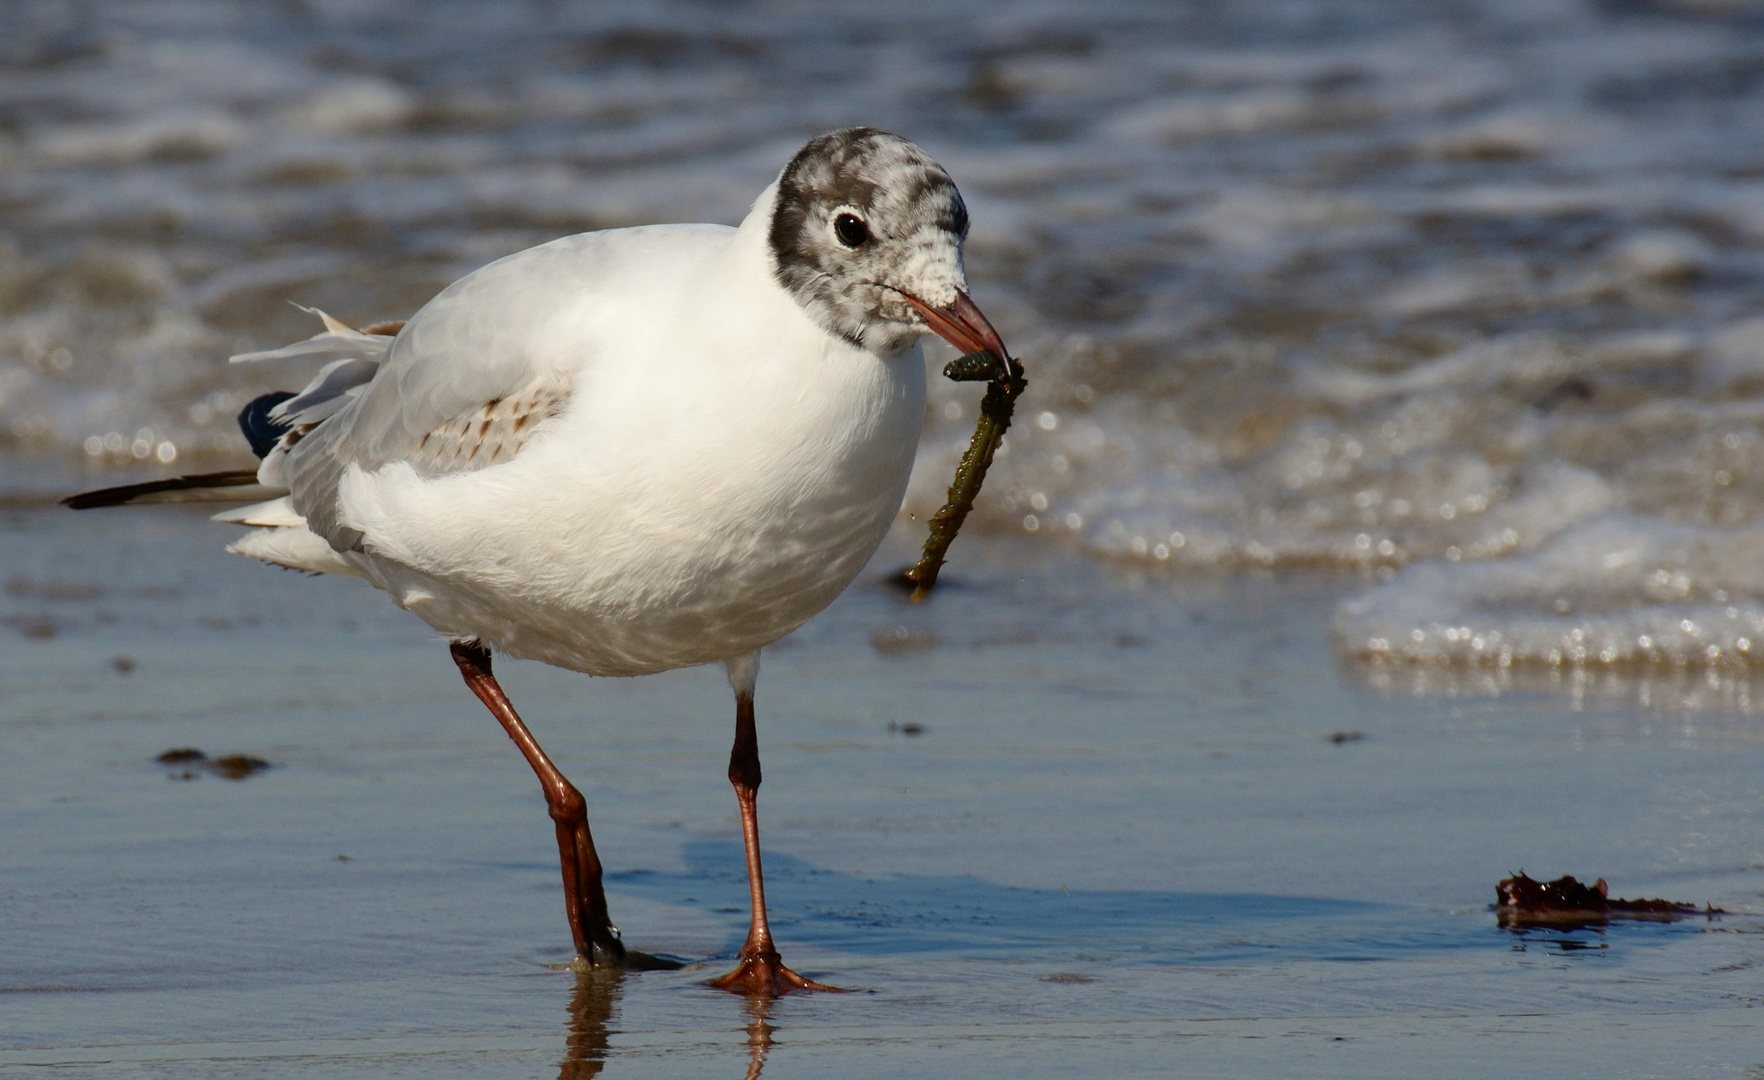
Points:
(712, 477)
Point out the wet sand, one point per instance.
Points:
(1123, 841)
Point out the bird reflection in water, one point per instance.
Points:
(596, 1000)
(593, 1004)
(759, 1034)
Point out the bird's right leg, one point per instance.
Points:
(597, 940)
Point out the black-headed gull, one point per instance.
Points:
(628, 451)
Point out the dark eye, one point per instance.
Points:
(851, 230)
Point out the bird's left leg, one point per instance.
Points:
(760, 972)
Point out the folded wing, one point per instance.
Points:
(464, 385)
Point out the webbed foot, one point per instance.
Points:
(764, 975)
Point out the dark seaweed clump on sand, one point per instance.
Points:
(1521, 901)
(187, 763)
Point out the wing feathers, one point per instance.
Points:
(484, 340)
(337, 340)
(492, 434)
(237, 485)
(357, 358)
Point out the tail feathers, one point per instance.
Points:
(274, 514)
(296, 549)
(236, 485)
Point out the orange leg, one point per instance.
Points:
(760, 972)
(597, 940)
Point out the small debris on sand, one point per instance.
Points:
(899, 641)
(36, 627)
(231, 767)
(1521, 901)
(52, 590)
(237, 766)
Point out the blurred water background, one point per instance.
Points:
(1464, 296)
(1420, 341)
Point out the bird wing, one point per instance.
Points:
(474, 374)
(354, 358)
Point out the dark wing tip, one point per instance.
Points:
(166, 490)
(260, 431)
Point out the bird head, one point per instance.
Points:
(866, 234)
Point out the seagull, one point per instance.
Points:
(627, 451)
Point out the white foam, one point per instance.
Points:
(1617, 590)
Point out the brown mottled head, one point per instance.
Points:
(863, 221)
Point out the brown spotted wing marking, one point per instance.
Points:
(493, 434)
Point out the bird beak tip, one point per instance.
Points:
(961, 323)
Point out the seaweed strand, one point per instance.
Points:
(1004, 376)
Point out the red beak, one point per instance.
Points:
(960, 324)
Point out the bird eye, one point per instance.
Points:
(851, 230)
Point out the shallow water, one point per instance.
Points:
(1364, 284)
(1123, 843)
